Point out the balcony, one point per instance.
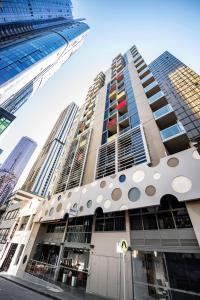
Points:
(147, 80)
(123, 117)
(113, 103)
(144, 72)
(175, 138)
(125, 130)
(137, 57)
(141, 67)
(165, 116)
(120, 77)
(111, 138)
(139, 62)
(121, 95)
(112, 96)
(113, 112)
(157, 101)
(152, 89)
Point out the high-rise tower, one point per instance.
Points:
(40, 176)
(181, 86)
(14, 165)
(34, 46)
(128, 181)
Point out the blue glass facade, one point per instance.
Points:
(14, 165)
(16, 59)
(31, 31)
(22, 10)
(180, 85)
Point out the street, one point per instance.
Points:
(11, 291)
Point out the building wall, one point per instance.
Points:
(41, 174)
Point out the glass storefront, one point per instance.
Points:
(74, 267)
(172, 276)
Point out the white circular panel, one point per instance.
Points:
(99, 198)
(181, 184)
(107, 204)
(138, 176)
(156, 176)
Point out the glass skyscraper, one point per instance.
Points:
(34, 46)
(182, 89)
(42, 173)
(14, 165)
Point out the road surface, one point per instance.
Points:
(12, 291)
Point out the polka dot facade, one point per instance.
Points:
(133, 188)
(173, 162)
(102, 184)
(116, 194)
(59, 207)
(181, 184)
(134, 194)
(138, 176)
(150, 190)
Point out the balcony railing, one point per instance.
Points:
(125, 130)
(123, 117)
(114, 102)
(146, 78)
(144, 71)
(172, 131)
(111, 138)
(114, 111)
(141, 67)
(156, 97)
(150, 86)
(162, 111)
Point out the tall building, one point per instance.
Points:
(42, 172)
(181, 86)
(34, 45)
(14, 165)
(127, 183)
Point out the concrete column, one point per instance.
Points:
(193, 208)
(60, 253)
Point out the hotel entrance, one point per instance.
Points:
(74, 267)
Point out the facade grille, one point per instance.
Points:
(127, 150)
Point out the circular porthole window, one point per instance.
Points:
(122, 178)
(116, 194)
(51, 211)
(89, 203)
(134, 194)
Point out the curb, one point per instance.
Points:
(43, 293)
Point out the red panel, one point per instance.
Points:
(112, 123)
(121, 104)
(120, 77)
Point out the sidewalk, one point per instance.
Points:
(53, 291)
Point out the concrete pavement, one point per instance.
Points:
(11, 291)
(47, 292)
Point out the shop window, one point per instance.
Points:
(150, 222)
(56, 228)
(182, 219)
(184, 271)
(165, 220)
(110, 222)
(136, 222)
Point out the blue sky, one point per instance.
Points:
(154, 26)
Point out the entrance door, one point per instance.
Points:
(11, 252)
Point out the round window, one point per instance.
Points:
(134, 194)
(122, 178)
(89, 203)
